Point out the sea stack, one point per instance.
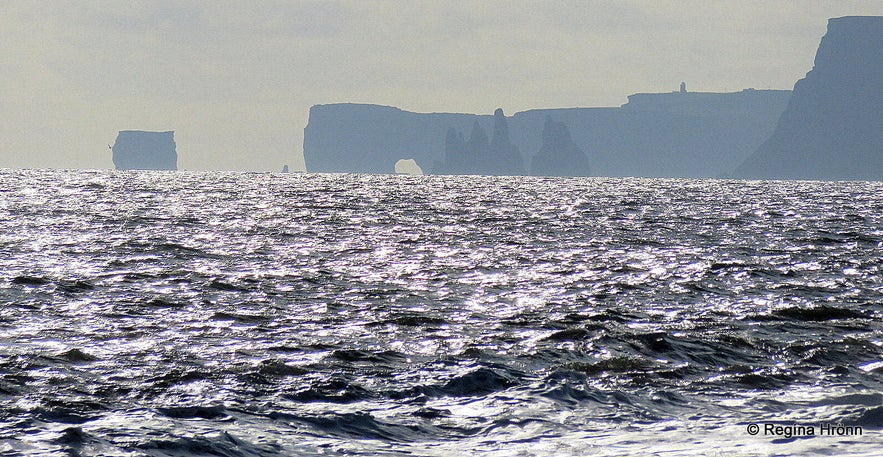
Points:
(140, 150)
(832, 128)
(504, 154)
(559, 155)
(480, 155)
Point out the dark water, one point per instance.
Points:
(233, 314)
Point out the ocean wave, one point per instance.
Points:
(228, 314)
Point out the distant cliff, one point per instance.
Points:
(139, 150)
(833, 126)
(678, 134)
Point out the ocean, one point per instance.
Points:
(261, 314)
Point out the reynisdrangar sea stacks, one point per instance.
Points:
(480, 156)
(832, 128)
(141, 150)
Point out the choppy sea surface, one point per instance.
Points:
(247, 314)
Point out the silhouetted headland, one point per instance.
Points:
(832, 128)
(675, 134)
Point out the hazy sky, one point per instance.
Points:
(236, 79)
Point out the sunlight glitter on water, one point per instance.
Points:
(313, 314)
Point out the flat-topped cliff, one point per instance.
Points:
(676, 134)
(832, 128)
(140, 150)
(359, 138)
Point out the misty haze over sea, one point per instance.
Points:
(236, 314)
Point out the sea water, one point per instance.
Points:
(248, 314)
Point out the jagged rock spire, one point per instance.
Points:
(501, 130)
(480, 156)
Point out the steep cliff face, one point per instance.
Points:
(139, 150)
(559, 155)
(833, 125)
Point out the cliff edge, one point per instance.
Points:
(832, 128)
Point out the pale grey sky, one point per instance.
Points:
(236, 79)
